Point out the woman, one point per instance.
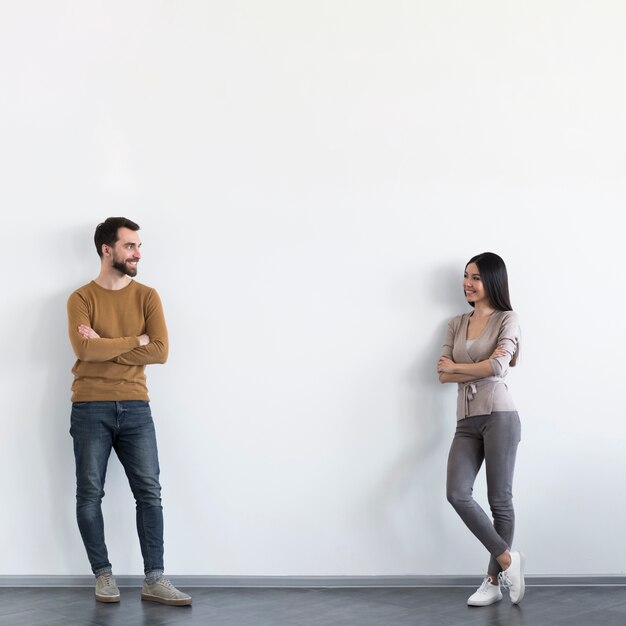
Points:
(479, 347)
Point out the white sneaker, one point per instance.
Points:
(485, 595)
(513, 577)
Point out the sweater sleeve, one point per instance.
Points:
(157, 350)
(94, 350)
(448, 344)
(508, 338)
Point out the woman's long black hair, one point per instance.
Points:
(495, 279)
(496, 282)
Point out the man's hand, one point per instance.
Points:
(87, 332)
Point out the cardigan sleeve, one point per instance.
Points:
(508, 338)
(448, 344)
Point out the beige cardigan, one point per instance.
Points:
(484, 395)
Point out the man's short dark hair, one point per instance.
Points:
(106, 232)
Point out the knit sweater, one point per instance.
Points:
(112, 368)
(484, 395)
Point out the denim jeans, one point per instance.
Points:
(127, 428)
(493, 439)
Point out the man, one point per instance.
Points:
(116, 328)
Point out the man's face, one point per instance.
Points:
(125, 252)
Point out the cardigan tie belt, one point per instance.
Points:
(469, 391)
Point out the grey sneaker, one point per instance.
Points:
(106, 588)
(164, 592)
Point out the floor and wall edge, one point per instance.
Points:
(310, 581)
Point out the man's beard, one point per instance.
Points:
(123, 268)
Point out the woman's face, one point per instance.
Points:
(473, 285)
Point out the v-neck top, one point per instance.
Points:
(484, 395)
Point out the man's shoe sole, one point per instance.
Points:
(108, 598)
(168, 601)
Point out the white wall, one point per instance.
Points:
(310, 178)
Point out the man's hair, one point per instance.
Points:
(106, 232)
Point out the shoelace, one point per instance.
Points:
(504, 579)
(485, 586)
(165, 582)
(107, 580)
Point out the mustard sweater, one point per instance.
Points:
(112, 368)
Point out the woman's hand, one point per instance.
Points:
(498, 352)
(445, 365)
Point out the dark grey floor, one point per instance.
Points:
(438, 606)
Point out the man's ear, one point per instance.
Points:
(106, 250)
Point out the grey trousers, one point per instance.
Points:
(493, 439)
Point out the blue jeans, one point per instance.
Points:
(127, 428)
